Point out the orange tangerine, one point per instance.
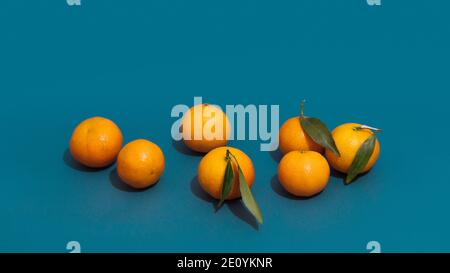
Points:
(140, 163)
(303, 173)
(211, 171)
(348, 139)
(205, 127)
(95, 142)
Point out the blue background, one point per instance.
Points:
(132, 61)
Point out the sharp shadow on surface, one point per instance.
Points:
(117, 183)
(182, 148)
(239, 210)
(276, 155)
(235, 206)
(278, 189)
(341, 176)
(200, 193)
(72, 163)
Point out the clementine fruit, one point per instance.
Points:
(303, 173)
(140, 163)
(205, 127)
(95, 142)
(211, 170)
(292, 137)
(348, 138)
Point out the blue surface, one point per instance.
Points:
(131, 61)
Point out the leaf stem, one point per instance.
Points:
(302, 108)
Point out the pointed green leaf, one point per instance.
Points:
(228, 179)
(361, 158)
(319, 132)
(247, 197)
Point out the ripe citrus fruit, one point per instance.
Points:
(95, 142)
(205, 127)
(293, 138)
(211, 170)
(303, 173)
(348, 139)
(140, 163)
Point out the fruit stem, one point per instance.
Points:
(368, 127)
(302, 108)
(230, 155)
(235, 159)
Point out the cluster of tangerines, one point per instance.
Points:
(224, 172)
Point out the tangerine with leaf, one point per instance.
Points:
(211, 170)
(227, 173)
(359, 149)
(304, 133)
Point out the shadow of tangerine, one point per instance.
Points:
(278, 189)
(235, 206)
(276, 155)
(182, 148)
(239, 210)
(197, 190)
(117, 183)
(340, 175)
(72, 163)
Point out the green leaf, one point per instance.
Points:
(319, 132)
(247, 197)
(361, 158)
(228, 179)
